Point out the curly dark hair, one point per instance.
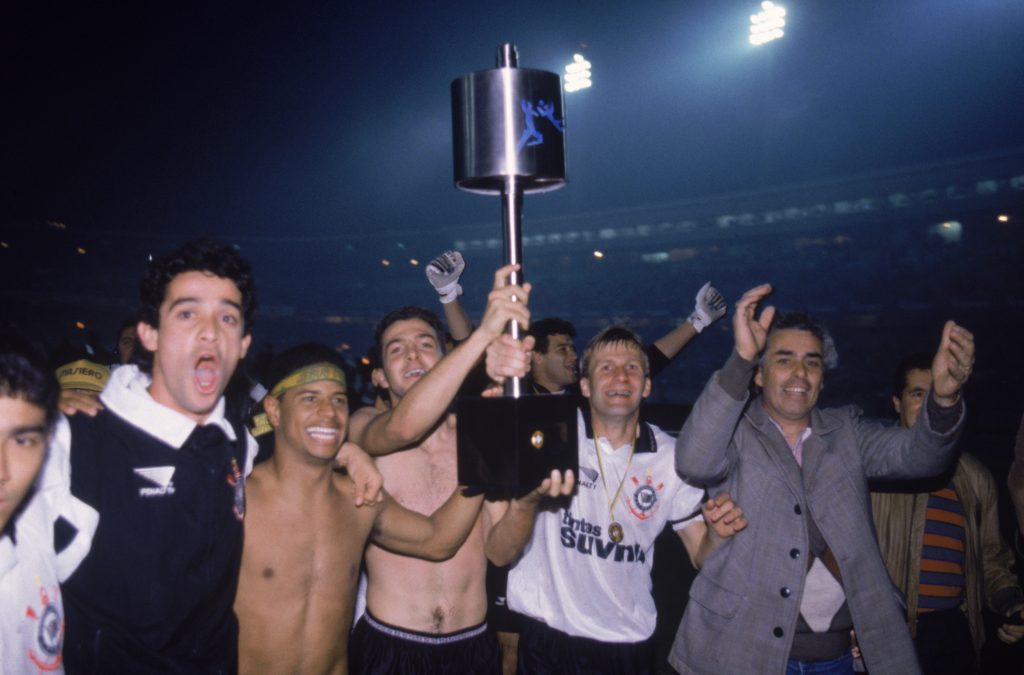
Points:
(545, 328)
(403, 314)
(25, 374)
(201, 255)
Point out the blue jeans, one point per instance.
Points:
(840, 666)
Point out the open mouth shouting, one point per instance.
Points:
(207, 374)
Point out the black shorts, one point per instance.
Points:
(543, 649)
(376, 647)
(499, 616)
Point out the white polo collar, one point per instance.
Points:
(127, 396)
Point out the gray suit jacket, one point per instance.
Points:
(745, 602)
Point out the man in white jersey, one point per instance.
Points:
(32, 498)
(583, 580)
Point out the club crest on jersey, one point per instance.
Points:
(237, 481)
(645, 501)
(49, 631)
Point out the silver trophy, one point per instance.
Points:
(508, 128)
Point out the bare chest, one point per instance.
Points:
(299, 552)
(422, 478)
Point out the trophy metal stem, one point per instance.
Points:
(512, 226)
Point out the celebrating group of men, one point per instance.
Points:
(142, 538)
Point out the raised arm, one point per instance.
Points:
(709, 307)
(952, 365)
(703, 452)
(437, 537)
(725, 518)
(426, 402)
(457, 320)
(444, 273)
(750, 332)
(929, 446)
(508, 525)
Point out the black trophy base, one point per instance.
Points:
(507, 446)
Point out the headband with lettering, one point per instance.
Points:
(83, 374)
(312, 373)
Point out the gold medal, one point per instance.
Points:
(615, 532)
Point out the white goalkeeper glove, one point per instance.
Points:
(710, 307)
(443, 272)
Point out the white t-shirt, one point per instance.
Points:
(571, 575)
(31, 611)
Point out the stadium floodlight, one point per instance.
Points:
(950, 231)
(577, 74)
(767, 24)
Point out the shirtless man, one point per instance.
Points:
(304, 537)
(428, 616)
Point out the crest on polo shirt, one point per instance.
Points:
(48, 629)
(646, 496)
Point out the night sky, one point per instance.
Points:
(331, 118)
(317, 137)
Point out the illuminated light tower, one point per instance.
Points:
(767, 24)
(577, 74)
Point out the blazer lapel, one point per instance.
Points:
(816, 468)
(775, 446)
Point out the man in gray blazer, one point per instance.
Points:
(786, 592)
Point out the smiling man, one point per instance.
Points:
(424, 616)
(787, 593)
(160, 475)
(304, 537)
(553, 359)
(583, 582)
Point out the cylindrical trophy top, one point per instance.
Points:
(508, 122)
(508, 56)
